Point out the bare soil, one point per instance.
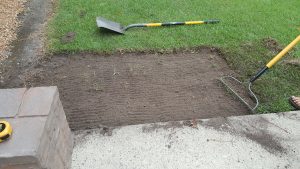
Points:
(120, 89)
(134, 88)
(272, 44)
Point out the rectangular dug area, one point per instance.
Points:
(138, 88)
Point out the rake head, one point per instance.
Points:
(238, 93)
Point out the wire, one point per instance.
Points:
(252, 94)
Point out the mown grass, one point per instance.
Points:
(244, 25)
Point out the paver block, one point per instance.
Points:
(26, 166)
(18, 160)
(10, 101)
(41, 136)
(25, 140)
(63, 147)
(38, 101)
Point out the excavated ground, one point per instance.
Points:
(134, 88)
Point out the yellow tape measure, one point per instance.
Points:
(5, 130)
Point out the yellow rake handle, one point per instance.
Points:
(275, 59)
(283, 52)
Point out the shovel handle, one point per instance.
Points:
(275, 59)
(210, 21)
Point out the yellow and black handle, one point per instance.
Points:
(5, 130)
(275, 59)
(211, 21)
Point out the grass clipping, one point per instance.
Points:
(9, 23)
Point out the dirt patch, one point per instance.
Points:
(68, 37)
(137, 88)
(82, 13)
(272, 44)
(166, 126)
(254, 128)
(262, 136)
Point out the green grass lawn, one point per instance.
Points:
(239, 35)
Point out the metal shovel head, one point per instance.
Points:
(109, 25)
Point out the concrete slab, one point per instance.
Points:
(253, 141)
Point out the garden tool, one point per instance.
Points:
(257, 75)
(118, 28)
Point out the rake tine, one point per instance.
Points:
(222, 79)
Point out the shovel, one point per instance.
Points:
(118, 28)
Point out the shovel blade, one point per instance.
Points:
(109, 25)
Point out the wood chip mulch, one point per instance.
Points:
(9, 23)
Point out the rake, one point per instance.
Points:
(256, 76)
